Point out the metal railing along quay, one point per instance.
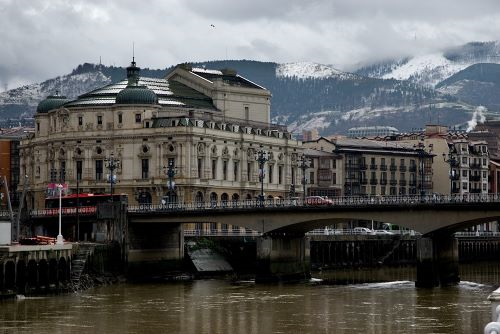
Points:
(361, 201)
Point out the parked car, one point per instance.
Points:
(383, 232)
(317, 200)
(362, 230)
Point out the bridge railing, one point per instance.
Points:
(222, 233)
(52, 212)
(411, 200)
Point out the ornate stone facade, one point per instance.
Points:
(208, 124)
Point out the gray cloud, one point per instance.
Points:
(46, 38)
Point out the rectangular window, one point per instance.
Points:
(464, 160)
(214, 169)
(249, 171)
(280, 174)
(324, 163)
(293, 175)
(120, 118)
(311, 177)
(464, 173)
(334, 178)
(247, 113)
(145, 169)
(200, 168)
(37, 127)
(53, 173)
(373, 190)
(98, 170)
(270, 173)
(224, 169)
(80, 120)
(79, 169)
(137, 118)
(382, 191)
(326, 175)
(99, 120)
(62, 171)
(236, 170)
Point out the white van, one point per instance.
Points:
(362, 230)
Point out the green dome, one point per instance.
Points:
(51, 102)
(136, 95)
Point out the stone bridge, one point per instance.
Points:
(283, 251)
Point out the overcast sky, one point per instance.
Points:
(46, 38)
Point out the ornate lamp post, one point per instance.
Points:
(111, 163)
(170, 171)
(304, 164)
(261, 158)
(452, 161)
(60, 240)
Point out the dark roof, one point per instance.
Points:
(228, 76)
(168, 93)
(51, 102)
(136, 95)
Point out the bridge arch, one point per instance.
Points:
(423, 218)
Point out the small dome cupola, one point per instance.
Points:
(133, 73)
(51, 102)
(135, 93)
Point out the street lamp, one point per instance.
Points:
(262, 157)
(111, 163)
(452, 162)
(304, 164)
(60, 240)
(170, 171)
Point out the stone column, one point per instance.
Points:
(437, 261)
(283, 258)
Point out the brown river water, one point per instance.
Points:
(387, 302)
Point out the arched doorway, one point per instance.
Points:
(213, 199)
(61, 272)
(235, 198)
(32, 275)
(224, 198)
(21, 277)
(169, 198)
(144, 198)
(10, 275)
(198, 199)
(43, 274)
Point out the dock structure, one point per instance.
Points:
(30, 269)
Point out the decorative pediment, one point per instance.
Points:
(145, 151)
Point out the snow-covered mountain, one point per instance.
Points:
(407, 93)
(70, 85)
(308, 70)
(430, 69)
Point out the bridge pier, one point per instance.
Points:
(154, 249)
(283, 257)
(437, 261)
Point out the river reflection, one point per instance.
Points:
(219, 306)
